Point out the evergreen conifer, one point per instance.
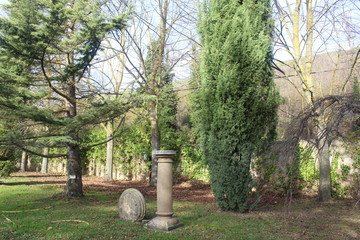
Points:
(49, 45)
(238, 100)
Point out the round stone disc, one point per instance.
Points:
(132, 205)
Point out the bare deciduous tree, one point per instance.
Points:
(304, 29)
(157, 41)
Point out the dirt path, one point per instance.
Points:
(184, 190)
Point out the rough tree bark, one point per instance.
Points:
(74, 171)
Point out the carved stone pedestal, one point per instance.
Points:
(164, 220)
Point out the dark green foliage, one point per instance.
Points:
(49, 46)
(238, 100)
(7, 163)
(6, 168)
(167, 116)
(46, 48)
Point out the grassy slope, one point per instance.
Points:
(307, 219)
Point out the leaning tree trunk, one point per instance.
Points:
(109, 152)
(74, 171)
(325, 171)
(23, 162)
(44, 164)
(155, 142)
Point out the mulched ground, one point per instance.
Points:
(184, 190)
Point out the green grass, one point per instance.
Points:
(307, 219)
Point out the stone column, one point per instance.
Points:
(164, 220)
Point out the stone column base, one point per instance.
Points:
(164, 223)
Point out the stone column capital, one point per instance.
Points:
(165, 153)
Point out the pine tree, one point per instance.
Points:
(50, 45)
(238, 100)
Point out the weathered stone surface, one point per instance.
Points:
(164, 223)
(164, 220)
(165, 153)
(132, 205)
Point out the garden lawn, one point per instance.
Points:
(30, 209)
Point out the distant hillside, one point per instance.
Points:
(331, 74)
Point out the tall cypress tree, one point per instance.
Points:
(238, 100)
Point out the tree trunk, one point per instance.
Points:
(74, 175)
(155, 142)
(44, 164)
(325, 171)
(23, 162)
(109, 153)
(74, 171)
(28, 163)
(155, 82)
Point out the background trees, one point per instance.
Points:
(156, 42)
(238, 100)
(58, 91)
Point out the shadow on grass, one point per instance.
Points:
(30, 183)
(39, 175)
